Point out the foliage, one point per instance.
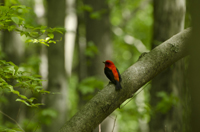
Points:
(10, 130)
(131, 26)
(89, 85)
(11, 74)
(91, 50)
(12, 18)
(14, 79)
(166, 103)
(93, 14)
(45, 116)
(133, 111)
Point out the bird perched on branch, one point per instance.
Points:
(113, 74)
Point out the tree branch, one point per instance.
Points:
(147, 67)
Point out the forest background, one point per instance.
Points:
(51, 63)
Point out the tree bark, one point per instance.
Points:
(56, 66)
(169, 16)
(97, 32)
(194, 64)
(147, 67)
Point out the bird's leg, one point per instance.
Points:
(110, 82)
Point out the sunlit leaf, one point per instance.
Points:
(23, 101)
(51, 35)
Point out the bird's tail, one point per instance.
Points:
(118, 86)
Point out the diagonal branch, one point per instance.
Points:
(147, 67)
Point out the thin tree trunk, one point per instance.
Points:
(12, 47)
(70, 26)
(194, 70)
(56, 66)
(168, 20)
(98, 33)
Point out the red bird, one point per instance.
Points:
(113, 74)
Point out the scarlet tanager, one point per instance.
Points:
(113, 74)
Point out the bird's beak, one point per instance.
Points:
(104, 62)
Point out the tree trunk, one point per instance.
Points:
(168, 20)
(98, 33)
(12, 47)
(56, 66)
(194, 64)
(71, 27)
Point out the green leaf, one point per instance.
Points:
(51, 35)
(12, 27)
(28, 41)
(167, 102)
(43, 27)
(36, 105)
(38, 87)
(23, 101)
(18, 6)
(35, 34)
(28, 26)
(31, 99)
(15, 20)
(43, 31)
(91, 49)
(87, 8)
(22, 96)
(51, 41)
(60, 30)
(43, 91)
(47, 39)
(15, 92)
(35, 41)
(95, 15)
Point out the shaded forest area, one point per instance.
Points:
(52, 76)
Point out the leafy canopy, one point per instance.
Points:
(11, 74)
(12, 18)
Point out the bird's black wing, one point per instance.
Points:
(120, 79)
(109, 74)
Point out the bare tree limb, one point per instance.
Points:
(148, 66)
